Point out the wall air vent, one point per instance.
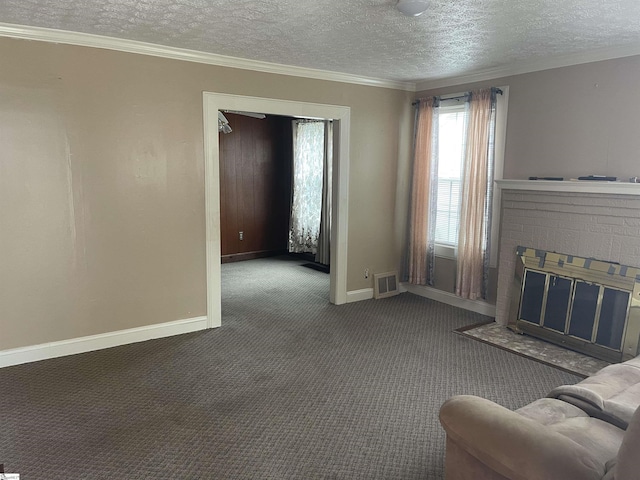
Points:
(385, 285)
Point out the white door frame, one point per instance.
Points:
(212, 102)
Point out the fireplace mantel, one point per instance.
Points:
(576, 186)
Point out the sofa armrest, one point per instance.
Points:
(512, 445)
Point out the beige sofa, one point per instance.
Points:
(586, 431)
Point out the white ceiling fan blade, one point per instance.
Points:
(247, 114)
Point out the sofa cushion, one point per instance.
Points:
(612, 394)
(634, 362)
(548, 411)
(600, 439)
(627, 464)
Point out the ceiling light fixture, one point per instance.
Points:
(412, 8)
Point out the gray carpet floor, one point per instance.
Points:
(290, 387)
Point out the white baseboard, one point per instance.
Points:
(477, 306)
(359, 295)
(34, 353)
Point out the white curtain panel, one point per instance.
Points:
(306, 207)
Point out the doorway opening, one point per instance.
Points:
(340, 115)
(255, 185)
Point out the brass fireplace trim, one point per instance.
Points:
(597, 272)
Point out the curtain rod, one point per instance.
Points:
(497, 90)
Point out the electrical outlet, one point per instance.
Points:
(366, 273)
(241, 235)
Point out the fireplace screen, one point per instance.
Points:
(584, 304)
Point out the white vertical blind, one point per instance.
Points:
(451, 149)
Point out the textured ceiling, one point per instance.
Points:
(362, 37)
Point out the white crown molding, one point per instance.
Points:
(143, 48)
(529, 67)
(44, 351)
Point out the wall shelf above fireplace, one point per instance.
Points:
(578, 186)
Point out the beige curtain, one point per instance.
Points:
(420, 254)
(472, 240)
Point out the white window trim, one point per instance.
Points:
(502, 104)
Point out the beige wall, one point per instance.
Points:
(571, 121)
(102, 190)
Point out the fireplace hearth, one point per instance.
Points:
(584, 304)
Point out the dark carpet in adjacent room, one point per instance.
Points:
(290, 387)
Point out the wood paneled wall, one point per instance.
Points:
(255, 186)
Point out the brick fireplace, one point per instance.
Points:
(586, 219)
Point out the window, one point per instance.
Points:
(450, 156)
(452, 124)
(452, 206)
